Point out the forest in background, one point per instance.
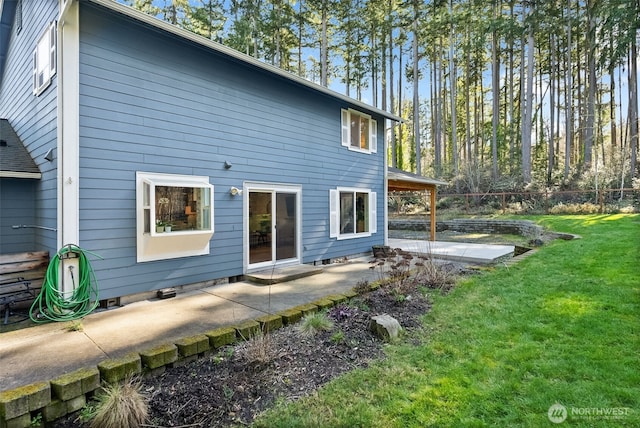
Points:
(500, 94)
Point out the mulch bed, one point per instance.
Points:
(236, 383)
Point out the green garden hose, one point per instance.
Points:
(52, 304)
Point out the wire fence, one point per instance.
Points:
(549, 202)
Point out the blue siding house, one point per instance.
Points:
(176, 159)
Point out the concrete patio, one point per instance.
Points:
(456, 251)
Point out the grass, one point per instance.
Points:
(120, 405)
(560, 326)
(314, 323)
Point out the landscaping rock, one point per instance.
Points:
(385, 327)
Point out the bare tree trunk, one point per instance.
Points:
(528, 111)
(400, 127)
(416, 95)
(569, 97)
(633, 106)
(300, 35)
(512, 148)
(324, 54)
(495, 87)
(612, 112)
(453, 81)
(437, 142)
(591, 89)
(392, 101)
(552, 100)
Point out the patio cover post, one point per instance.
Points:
(402, 181)
(432, 213)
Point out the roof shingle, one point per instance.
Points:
(15, 160)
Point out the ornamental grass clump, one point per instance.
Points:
(121, 406)
(434, 275)
(259, 349)
(314, 323)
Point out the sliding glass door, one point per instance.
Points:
(273, 225)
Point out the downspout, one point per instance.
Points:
(386, 184)
(68, 71)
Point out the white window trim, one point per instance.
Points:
(345, 123)
(334, 213)
(252, 186)
(152, 245)
(45, 48)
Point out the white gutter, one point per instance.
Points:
(12, 174)
(386, 187)
(188, 35)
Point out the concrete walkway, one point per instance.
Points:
(46, 351)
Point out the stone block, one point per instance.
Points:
(290, 316)
(75, 404)
(184, 361)
(337, 298)
(324, 304)
(67, 386)
(221, 337)
(54, 410)
(307, 309)
(192, 345)
(247, 329)
(269, 323)
(350, 294)
(159, 356)
(90, 379)
(117, 369)
(13, 403)
(16, 402)
(22, 421)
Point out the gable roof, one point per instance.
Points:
(232, 54)
(15, 160)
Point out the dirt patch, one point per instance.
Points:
(232, 386)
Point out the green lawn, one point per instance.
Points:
(561, 326)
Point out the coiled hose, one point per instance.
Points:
(52, 304)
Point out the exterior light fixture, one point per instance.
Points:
(234, 191)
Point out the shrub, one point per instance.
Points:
(259, 349)
(314, 323)
(121, 406)
(584, 208)
(434, 275)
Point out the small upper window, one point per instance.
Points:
(44, 59)
(359, 132)
(352, 212)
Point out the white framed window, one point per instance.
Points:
(359, 131)
(352, 212)
(44, 59)
(174, 215)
